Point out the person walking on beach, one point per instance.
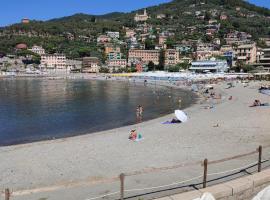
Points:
(139, 113)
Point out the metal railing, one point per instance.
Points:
(205, 164)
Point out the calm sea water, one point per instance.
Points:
(41, 109)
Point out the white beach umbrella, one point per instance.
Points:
(180, 115)
(206, 196)
(263, 195)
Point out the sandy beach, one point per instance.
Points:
(87, 166)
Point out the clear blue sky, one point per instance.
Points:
(13, 11)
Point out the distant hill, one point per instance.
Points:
(75, 35)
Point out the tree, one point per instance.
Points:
(161, 60)
(247, 68)
(104, 70)
(151, 66)
(184, 65)
(175, 68)
(149, 44)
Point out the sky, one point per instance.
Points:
(12, 11)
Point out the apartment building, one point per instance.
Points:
(90, 65)
(144, 56)
(53, 61)
(37, 49)
(171, 57)
(119, 63)
(111, 48)
(247, 53)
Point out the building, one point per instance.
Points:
(37, 50)
(161, 16)
(117, 63)
(247, 53)
(209, 66)
(25, 21)
(111, 48)
(237, 38)
(264, 58)
(162, 39)
(141, 18)
(54, 61)
(171, 57)
(21, 46)
(113, 35)
(114, 55)
(144, 56)
(103, 39)
(206, 55)
(74, 65)
(223, 17)
(130, 33)
(90, 65)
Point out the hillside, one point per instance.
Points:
(76, 35)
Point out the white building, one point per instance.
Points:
(54, 61)
(113, 35)
(209, 66)
(37, 49)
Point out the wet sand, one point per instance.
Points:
(87, 166)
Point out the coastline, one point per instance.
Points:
(88, 159)
(159, 84)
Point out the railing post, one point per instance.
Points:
(7, 194)
(260, 159)
(122, 179)
(205, 163)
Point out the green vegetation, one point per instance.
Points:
(76, 35)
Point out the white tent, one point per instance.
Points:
(180, 115)
(263, 195)
(206, 196)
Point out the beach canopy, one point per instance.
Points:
(263, 195)
(180, 115)
(206, 196)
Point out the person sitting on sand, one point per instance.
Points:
(256, 103)
(133, 135)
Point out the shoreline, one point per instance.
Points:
(71, 168)
(159, 84)
(165, 84)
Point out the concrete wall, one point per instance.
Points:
(240, 189)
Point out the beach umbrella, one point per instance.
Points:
(206, 196)
(180, 115)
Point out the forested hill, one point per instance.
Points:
(55, 35)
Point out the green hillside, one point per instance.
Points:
(54, 35)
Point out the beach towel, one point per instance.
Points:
(263, 104)
(169, 122)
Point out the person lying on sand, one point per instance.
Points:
(258, 103)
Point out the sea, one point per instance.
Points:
(36, 109)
